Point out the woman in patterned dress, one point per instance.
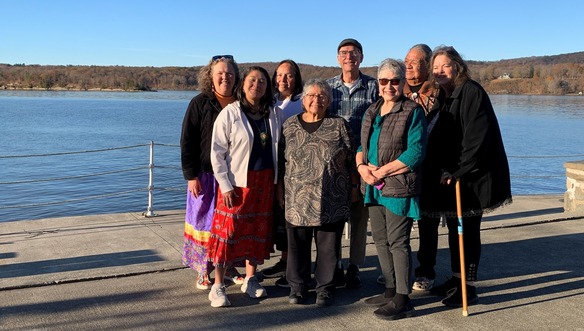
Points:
(316, 160)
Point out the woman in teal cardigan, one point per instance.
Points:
(393, 143)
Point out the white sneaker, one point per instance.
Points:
(423, 284)
(217, 296)
(252, 287)
(231, 274)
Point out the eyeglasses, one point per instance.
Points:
(320, 97)
(385, 81)
(219, 57)
(354, 53)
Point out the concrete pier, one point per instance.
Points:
(574, 196)
(124, 271)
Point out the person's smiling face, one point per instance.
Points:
(416, 68)
(254, 86)
(444, 70)
(390, 85)
(223, 77)
(315, 101)
(285, 79)
(349, 57)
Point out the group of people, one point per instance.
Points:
(281, 162)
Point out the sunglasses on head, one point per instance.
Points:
(385, 81)
(219, 57)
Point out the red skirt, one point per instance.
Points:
(244, 232)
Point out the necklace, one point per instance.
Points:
(263, 134)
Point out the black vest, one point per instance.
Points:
(393, 140)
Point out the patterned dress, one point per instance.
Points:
(318, 167)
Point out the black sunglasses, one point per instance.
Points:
(219, 57)
(385, 81)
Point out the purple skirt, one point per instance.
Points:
(198, 221)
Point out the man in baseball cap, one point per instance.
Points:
(353, 92)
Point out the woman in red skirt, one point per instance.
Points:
(244, 160)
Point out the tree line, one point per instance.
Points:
(555, 75)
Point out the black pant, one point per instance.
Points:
(279, 229)
(472, 245)
(328, 243)
(428, 231)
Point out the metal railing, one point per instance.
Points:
(151, 166)
(150, 188)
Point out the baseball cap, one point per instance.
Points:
(350, 41)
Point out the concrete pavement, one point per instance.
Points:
(123, 271)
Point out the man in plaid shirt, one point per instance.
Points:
(353, 93)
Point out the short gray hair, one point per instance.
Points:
(322, 84)
(393, 65)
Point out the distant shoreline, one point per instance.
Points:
(66, 89)
(544, 75)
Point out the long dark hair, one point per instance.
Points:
(266, 101)
(297, 88)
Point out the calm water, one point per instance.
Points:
(56, 122)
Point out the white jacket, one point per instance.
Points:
(231, 146)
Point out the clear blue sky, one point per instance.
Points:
(188, 32)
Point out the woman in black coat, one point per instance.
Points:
(464, 143)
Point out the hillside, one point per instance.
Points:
(555, 74)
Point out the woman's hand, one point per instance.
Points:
(446, 178)
(395, 167)
(379, 172)
(195, 187)
(229, 198)
(366, 172)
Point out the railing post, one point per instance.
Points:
(149, 212)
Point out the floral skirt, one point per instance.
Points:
(244, 232)
(198, 221)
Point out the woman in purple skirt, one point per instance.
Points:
(217, 83)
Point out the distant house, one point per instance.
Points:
(505, 76)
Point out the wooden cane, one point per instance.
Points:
(461, 249)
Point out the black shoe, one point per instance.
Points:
(296, 298)
(381, 299)
(352, 279)
(391, 312)
(324, 298)
(277, 270)
(339, 277)
(443, 289)
(282, 282)
(455, 298)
